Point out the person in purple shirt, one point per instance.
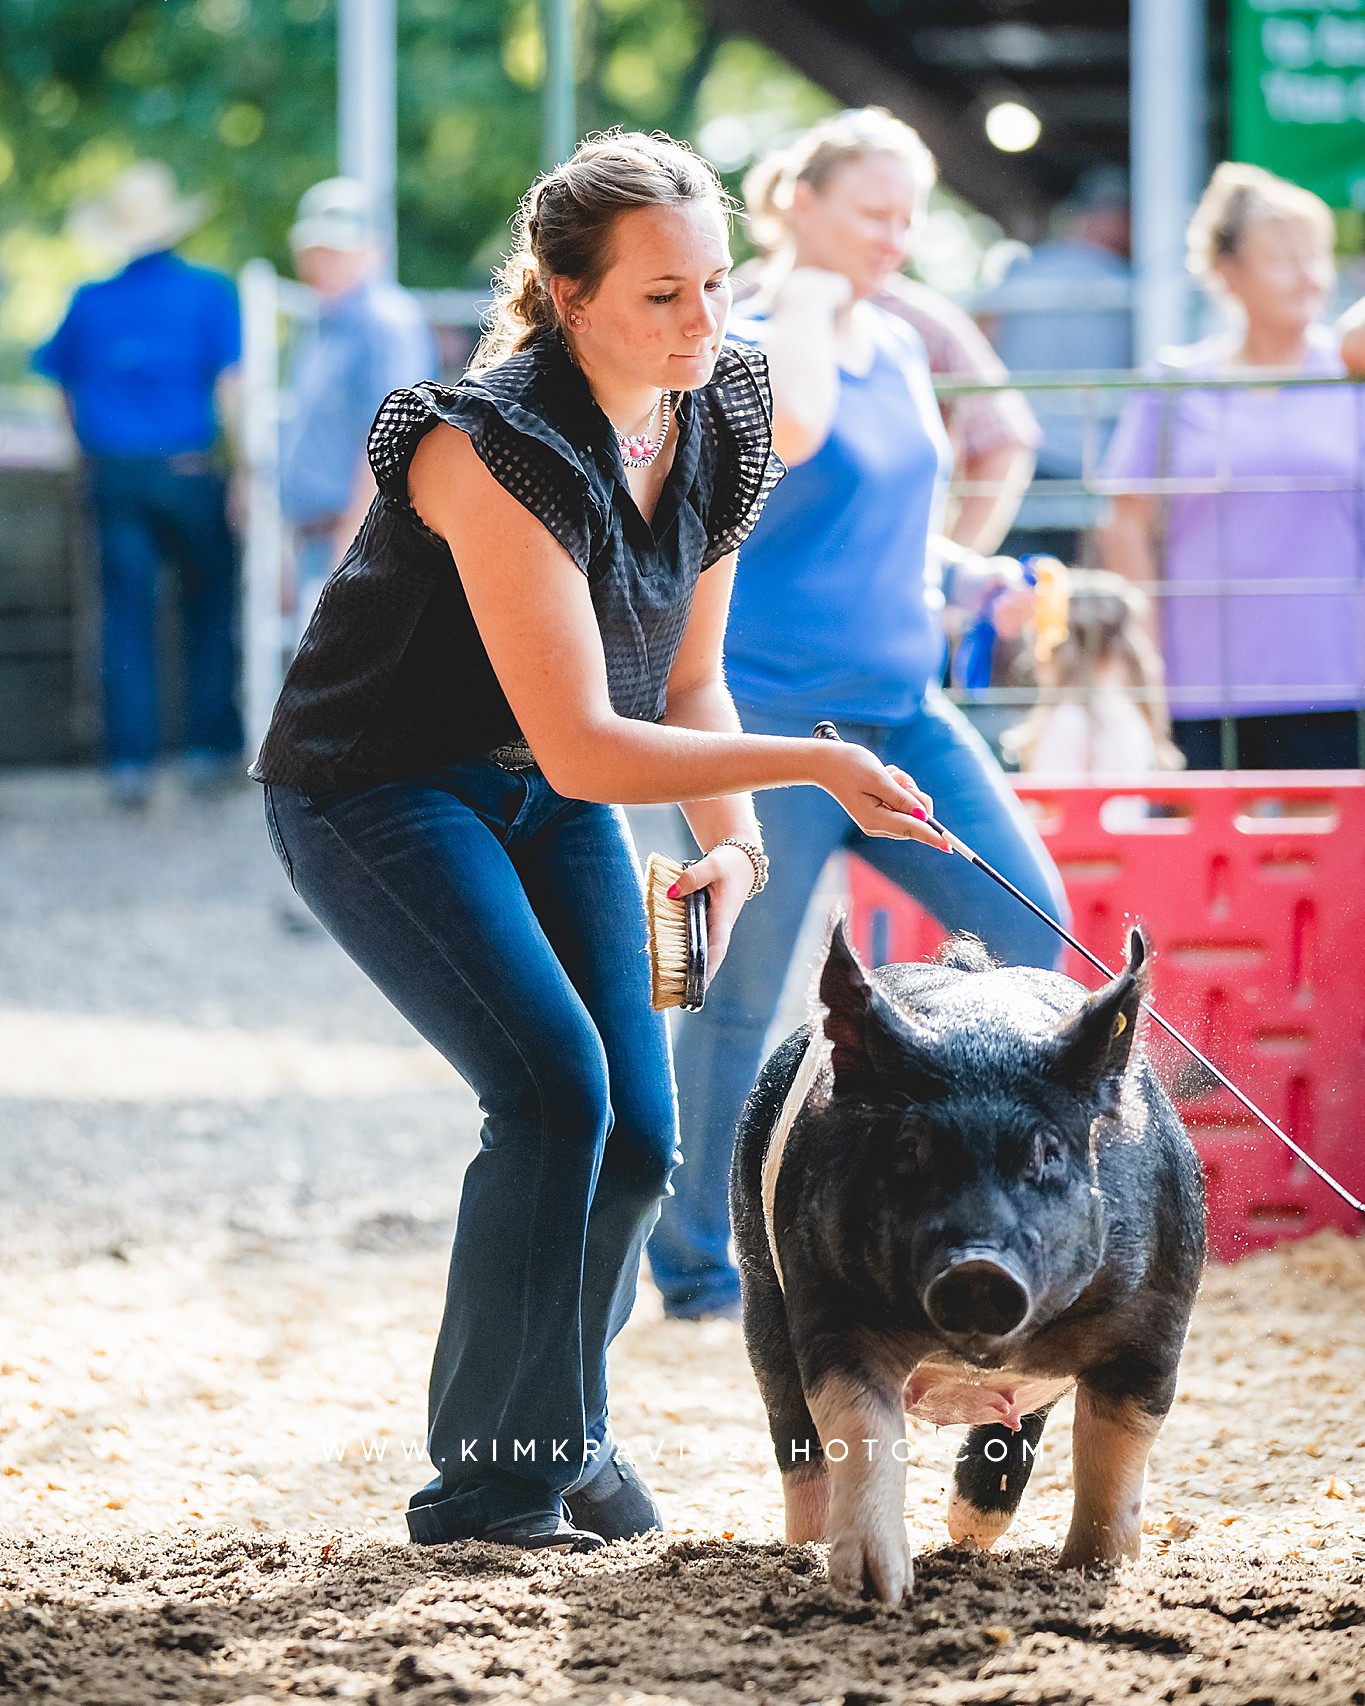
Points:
(138, 358)
(1261, 575)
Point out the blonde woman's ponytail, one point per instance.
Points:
(764, 201)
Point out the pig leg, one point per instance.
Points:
(796, 1440)
(1110, 1442)
(805, 1497)
(861, 1417)
(989, 1478)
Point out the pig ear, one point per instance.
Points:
(1092, 1047)
(876, 1051)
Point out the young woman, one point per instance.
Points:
(529, 626)
(1261, 613)
(833, 617)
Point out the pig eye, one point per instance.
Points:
(1045, 1154)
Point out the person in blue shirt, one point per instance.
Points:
(833, 616)
(1066, 306)
(370, 337)
(139, 357)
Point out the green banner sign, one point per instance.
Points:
(1298, 93)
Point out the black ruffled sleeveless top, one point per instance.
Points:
(392, 679)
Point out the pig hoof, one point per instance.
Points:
(879, 1565)
(974, 1528)
(1089, 1557)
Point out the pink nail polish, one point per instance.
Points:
(920, 813)
(673, 892)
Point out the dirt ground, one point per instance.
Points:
(228, 1176)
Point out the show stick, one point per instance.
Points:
(827, 731)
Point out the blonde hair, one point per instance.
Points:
(1106, 625)
(564, 223)
(1238, 197)
(816, 155)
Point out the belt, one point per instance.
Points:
(515, 755)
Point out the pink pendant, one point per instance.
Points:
(637, 450)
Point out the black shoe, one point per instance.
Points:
(616, 1503)
(541, 1533)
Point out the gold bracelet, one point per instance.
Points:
(757, 858)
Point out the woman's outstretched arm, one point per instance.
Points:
(535, 616)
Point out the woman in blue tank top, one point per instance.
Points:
(832, 617)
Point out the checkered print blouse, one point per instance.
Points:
(392, 678)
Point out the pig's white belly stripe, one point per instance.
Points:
(813, 1060)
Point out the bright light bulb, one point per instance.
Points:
(1012, 128)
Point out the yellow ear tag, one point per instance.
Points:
(1120, 1024)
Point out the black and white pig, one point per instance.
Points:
(958, 1193)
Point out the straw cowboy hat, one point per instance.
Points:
(142, 212)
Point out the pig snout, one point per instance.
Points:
(977, 1294)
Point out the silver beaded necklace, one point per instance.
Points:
(639, 449)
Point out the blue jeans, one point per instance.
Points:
(719, 1050)
(147, 508)
(507, 924)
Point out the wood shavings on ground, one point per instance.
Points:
(222, 1287)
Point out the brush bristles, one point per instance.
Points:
(667, 933)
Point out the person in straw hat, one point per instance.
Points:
(138, 358)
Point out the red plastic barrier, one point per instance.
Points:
(1251, 887)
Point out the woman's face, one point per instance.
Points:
(859, 222)
(1281, 275)
(658, 317)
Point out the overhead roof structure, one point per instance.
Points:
(942, 64)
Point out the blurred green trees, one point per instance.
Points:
(239, 97)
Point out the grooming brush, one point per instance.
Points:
(677, 938)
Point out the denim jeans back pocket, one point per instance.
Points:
(273, 828)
